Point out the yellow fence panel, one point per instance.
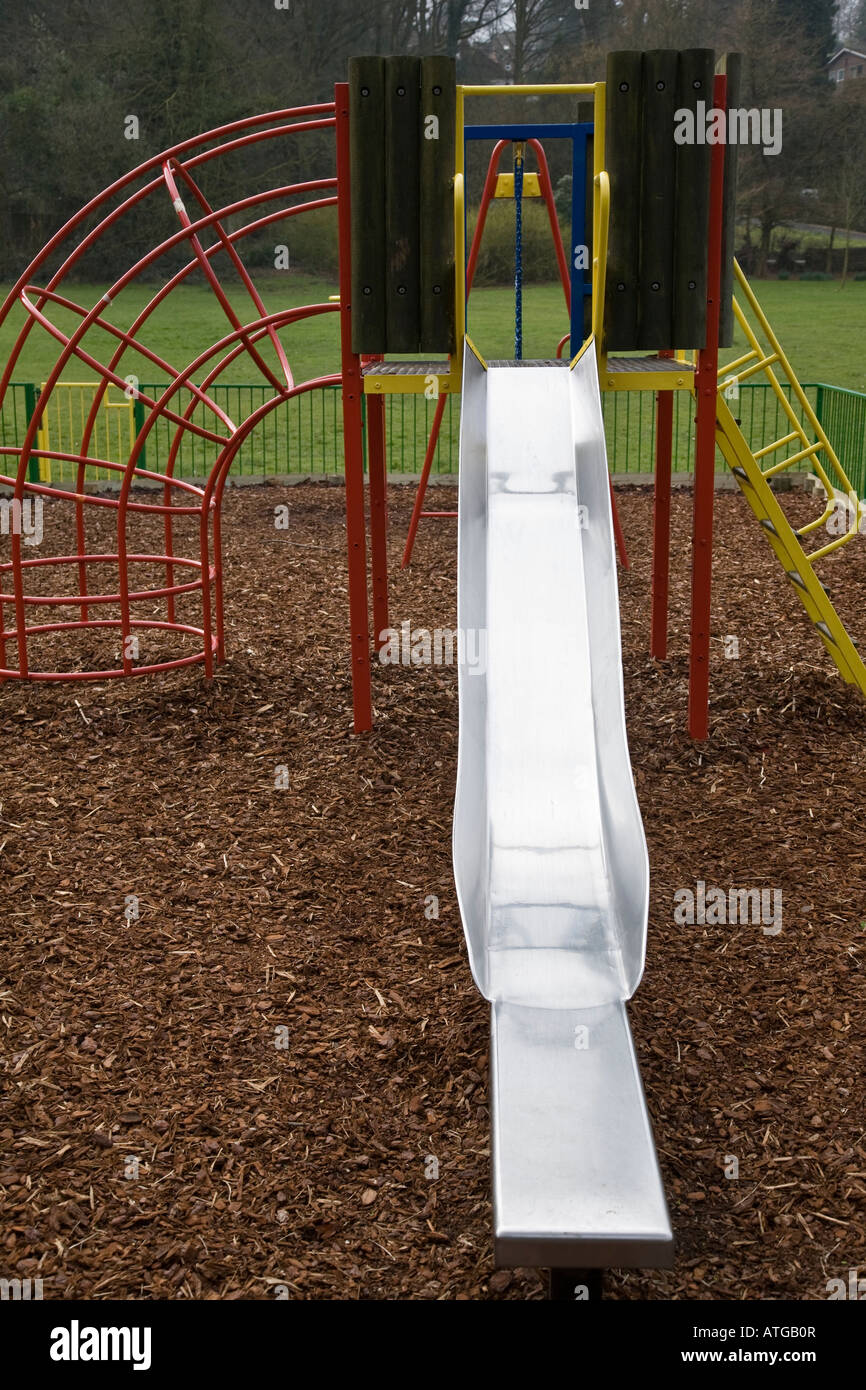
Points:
(63, 426)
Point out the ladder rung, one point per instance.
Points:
(771, 448)
(798, 579)
(808, 454)
(795, 458)
(759, 366)
(731, 368)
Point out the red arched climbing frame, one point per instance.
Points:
(149, 596)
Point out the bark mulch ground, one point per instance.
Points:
(245, 1087)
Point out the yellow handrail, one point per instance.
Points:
(523, 89)
(460, 279)
(601, 219)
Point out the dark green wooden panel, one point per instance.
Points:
(438, 119)
(733, 69)
(658, 189)
(622, 160)
(402, 190)
(694, 87)
(367, 193)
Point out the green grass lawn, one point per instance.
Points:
(185, 324)
(821, 327)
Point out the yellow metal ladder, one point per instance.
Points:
(753, 475)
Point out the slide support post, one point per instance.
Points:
(353, 438)
(662, 522)
(706, 390)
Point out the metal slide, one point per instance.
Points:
(550, 859)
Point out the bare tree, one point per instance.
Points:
(844, 189)
(452, 23)
(775, 77)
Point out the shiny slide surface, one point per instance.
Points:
(550, 859)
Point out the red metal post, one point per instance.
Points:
(486, 200)
(417, 511)
(546, 188)
(662, 521)
(471, 262)
(353, 438)
(706, 388)
(619, 536)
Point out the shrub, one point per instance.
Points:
(312, 241)
(783, 275)
(562, 196)
(816, 275)
(496, 254)
(786, 252)
(747, 257)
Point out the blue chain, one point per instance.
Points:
(518, 250)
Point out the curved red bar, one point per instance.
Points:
(186, 578)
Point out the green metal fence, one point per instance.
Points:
(842, 414)
(304, 435)
(18, 407)
(629, 419)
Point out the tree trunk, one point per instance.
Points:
(764, 252)
(455, 15)
(847, 240)
(828, 266)
(519, 50)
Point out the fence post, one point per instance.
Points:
(138, 426)
(31, 396)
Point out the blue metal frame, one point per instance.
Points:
(577, 132)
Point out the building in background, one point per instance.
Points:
(845, 64)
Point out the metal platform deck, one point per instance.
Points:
(652, 373)
(405, 378)
(425, 368)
